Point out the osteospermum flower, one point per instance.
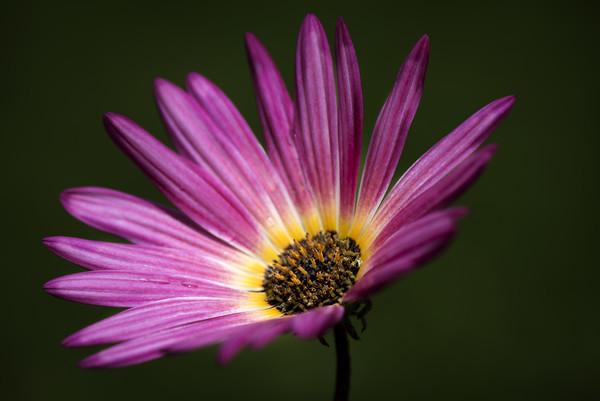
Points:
(266, 241)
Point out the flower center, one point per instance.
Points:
(313, 272)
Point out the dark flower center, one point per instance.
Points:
(313, 272)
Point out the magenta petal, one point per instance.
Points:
(255, 335)
(441, 194)
(137, 220)
(391, 129)
(96, 255)
(199, 137)
(274, 104)
(252, 158)
(194, 191)
(226, 116)
(407, 249)
(315, 119)
(306, 325)
(158, 344)
(142, 222)
(350, 119)
(217, 138)
(430, 227)
(235, 137)
(152, 317)
(316, 322)
(191, 129)
(254, 321)
(126, 289)
(276, 113)
(251, 161)
(447, 153)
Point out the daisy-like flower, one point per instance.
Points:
(266, 240)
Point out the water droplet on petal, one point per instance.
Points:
(189, 285)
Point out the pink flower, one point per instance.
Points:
(266, 241)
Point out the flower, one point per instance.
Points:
(267, 241)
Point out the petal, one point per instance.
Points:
(389, 135)
(446, 154)
(138, 220)
(306, 325)
(255, 335)
(316, 322)
(350, 122)
(315, 120)
(407, 249)
(97, 255)
(264, 179)
(221, 112)
(156, 316)
(158, 344)
(197, 193)
(225, 155)
(126, 288)
(276, 111)
(437, 196)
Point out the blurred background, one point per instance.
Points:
(509, 312)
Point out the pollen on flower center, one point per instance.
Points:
(313, 272)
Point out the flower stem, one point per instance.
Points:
(342, 351)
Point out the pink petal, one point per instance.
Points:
(350, 121)
(441, 194)
(197, 193)
(276, 110)
(390, 133)
(153, 317)
(158, 344)
(306, 325)
(446, 154)
(221, 112)
(263, 178)
(255, 335)
(315, 119)
(96, 255)
(316, 322)
(408, 248)
(214, 146)
(127, 289)
(137, 220)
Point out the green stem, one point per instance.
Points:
(342, 351)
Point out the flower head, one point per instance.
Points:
(266, 240)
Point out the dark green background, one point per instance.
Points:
(509, 312)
